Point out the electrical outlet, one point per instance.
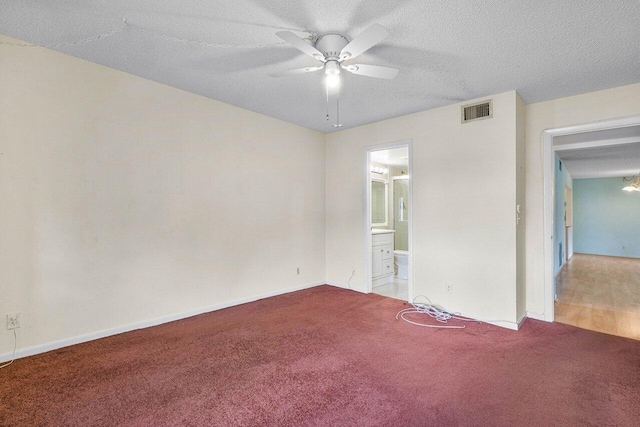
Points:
(298, 270)
(448, 288)
(13, 320)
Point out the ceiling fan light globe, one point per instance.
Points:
(332, 68)
(333, 80)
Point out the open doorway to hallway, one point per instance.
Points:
(596, 230)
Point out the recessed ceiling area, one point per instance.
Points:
(601, 154)
(446, 52)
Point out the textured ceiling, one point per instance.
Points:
(618, 155)
(446, 51)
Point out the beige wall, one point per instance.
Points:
(463, 236)
(581, 109)
(124, 200)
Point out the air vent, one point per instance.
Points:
(474, 112)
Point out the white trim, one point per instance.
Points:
(501, 323)
(343, 286)
(522, 319)
(595, 144)
(549, 202)
(621, 122)
(54, 345)
(367, 211)
(535, 316)
(548, 168)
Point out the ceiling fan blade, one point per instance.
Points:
(367, 39)
(372, 71)
(296, 71)
(300, 44)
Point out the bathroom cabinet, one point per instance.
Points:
(382, 257)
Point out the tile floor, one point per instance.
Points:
(600, 293)
(399, 289)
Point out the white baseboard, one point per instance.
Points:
(343, 286)
(536, 316)
(522, 319)
(502, 323)
(54, 345)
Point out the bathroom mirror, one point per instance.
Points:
(378, 203)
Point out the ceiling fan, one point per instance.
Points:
(333, 49)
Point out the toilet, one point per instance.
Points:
(401, 259)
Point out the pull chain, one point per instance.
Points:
(327, 91)
(337, 125)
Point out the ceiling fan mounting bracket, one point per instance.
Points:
(331, 45)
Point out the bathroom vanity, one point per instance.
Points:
(382, 256)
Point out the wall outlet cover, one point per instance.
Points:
(13, 320)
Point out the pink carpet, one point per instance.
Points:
(329, 357)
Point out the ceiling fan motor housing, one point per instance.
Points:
(331, 45)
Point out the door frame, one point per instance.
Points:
(548, 152)
(368, 286)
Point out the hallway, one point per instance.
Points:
(600, 293)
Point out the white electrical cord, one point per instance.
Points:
(415, 309)
(438, 313)
(349, 281)
(15, 345)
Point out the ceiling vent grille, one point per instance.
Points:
(474, 112)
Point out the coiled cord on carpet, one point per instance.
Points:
(434, 311)
(438, 313)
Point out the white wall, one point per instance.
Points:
(581, 109)
(463, 236)
(124, 200)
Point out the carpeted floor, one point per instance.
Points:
(328, 356)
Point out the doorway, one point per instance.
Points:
(593, 249)
(388, 220)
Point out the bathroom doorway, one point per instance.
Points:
(388, 219)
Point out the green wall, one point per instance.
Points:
(606, 219)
